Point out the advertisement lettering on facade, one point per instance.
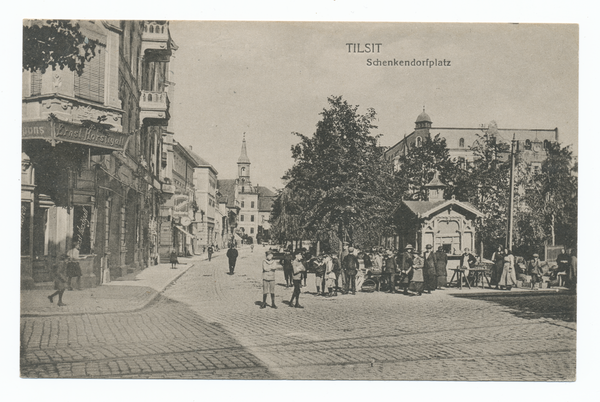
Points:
(68, 132)
(181, 205)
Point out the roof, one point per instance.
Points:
(226, 188)
(424, 209)
(435, 182)
(423, 117)
(243, 155)
(202, 163)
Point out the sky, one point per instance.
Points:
(270, 79)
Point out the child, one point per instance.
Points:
(268, 268)
(60, 280)
(173, 259)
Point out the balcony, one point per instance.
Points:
(155, 38)
(154, 105)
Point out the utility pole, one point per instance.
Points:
(509, 237)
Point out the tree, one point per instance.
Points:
(486, 186)
(56, 43)
(340, 172)
(551, 197)
(417, 166)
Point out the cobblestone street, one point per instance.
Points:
(208, 325)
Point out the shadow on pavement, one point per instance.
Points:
(533, 306)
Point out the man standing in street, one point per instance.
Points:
(440, 260)
(232, 255)
(406, 267)
(390, 268)
(268, 269)
(350, 267)
(288, 270)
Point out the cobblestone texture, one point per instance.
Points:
(208, 325)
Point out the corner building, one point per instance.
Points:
(92, 155)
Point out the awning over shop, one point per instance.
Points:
(182, 230)
(55, 131)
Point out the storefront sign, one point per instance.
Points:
(181, 204)
(69, 132)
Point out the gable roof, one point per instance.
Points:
(226, 188)
(425, 209)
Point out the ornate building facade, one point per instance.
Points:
(92, 155)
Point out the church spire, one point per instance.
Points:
(243, 155)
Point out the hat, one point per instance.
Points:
(350, 248)
(408, 246)
(536, 255)
(429, 247)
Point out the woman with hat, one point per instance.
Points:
(417, 283)
(429, 275)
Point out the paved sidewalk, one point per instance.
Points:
(129, 293)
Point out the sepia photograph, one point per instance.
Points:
(299, 200)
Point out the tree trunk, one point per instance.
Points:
(552, 230)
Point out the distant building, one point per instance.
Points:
(531, 143)
(248, 206)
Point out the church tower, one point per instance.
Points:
(244, 165)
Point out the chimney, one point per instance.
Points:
(191, 149)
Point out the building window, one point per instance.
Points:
(242, 218)
(36, 83)
(242, 202)
(251, 230)
(251, 218)
(90, 85)
(252, 204)
(461, 143)
(419, 142)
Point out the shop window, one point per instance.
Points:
(82, 216)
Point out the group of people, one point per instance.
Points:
(507, 269)
(387, 269)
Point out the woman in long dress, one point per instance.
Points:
(509, 277)
(498, 258)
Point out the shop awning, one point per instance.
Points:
(185, 232)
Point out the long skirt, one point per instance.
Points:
(442, 280)
(430, 279)
(497, 269)
(508, 277)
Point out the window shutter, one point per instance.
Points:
(90, 85)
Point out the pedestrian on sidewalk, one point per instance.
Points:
(299, 268)
(232, 255)
(509, 277)
(498, 267)
(73, 267)
(173, 259)
(210, 252)
(417, 282)
(268, 269)
(330, 276)
(60, 280)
